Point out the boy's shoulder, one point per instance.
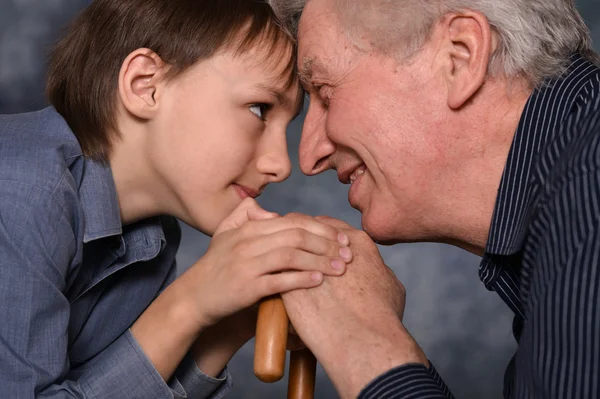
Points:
(37, 149)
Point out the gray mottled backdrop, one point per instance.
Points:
(464, 329)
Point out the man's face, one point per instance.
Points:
(378, 123)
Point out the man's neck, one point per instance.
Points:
(492, 122)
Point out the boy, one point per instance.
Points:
(160, 107)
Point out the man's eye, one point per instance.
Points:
(260, 110)
(324, 94)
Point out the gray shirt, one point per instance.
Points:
(73, 279)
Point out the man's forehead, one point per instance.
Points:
(318, 19)
(320, 37)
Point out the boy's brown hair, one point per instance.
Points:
(84, 66)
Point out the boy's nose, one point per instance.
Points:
(276, 163)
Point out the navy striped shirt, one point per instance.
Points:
(543, 250)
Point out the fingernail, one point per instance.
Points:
(343, 239)
(338, 264)
(316, 276)
(346, 253)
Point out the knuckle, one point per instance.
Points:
(298, 237)
(283, 257)
(327, 248)
(333, 222)
(270, 285)
(245, 229)
(296, 215)
(303, 222)
(362, 236)
(401, 290)
(241, 247)
(334, 250)
(289, 257)
(328, 220)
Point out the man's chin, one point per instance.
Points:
(378, 230)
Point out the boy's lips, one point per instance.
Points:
(246, 192)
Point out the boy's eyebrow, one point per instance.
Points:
(275, 92)
(296, 105)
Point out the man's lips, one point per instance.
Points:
(347, 176)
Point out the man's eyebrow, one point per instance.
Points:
(306, 71)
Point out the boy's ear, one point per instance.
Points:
(139, 79)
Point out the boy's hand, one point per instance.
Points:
(255, 254)
(246, 211)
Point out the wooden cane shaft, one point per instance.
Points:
(271, 340)
(303, 367)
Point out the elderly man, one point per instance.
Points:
(469, 122)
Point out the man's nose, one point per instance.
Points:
(315, 146)
(275, 161)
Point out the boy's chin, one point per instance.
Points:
(207, 227)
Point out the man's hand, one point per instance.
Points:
(352, 323)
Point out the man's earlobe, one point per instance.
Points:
(470, 50)
(139, 80)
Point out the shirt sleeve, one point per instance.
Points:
(124, 371)
(188, 377)
(37, 249)
(411, 381)
(198, 385)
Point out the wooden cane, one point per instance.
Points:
(303, 368)
(271, 340)
(269, 351)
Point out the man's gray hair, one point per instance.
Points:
(536, 37)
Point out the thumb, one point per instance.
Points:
(247, 210)
(259, 213)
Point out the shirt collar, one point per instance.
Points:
(98, 195)
(99, 202)
(102, 215)
(546, 108)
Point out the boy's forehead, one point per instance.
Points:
(278, 56)
(276, 65)
(267, 60)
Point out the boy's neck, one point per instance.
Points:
(135, 182)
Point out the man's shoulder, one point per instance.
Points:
(36, 149)
(568, 174)
(576, 148)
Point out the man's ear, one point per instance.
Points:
(140, 78)
(470, 45)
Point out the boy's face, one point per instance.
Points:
(220, 135)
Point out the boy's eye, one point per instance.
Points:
(260, 110)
